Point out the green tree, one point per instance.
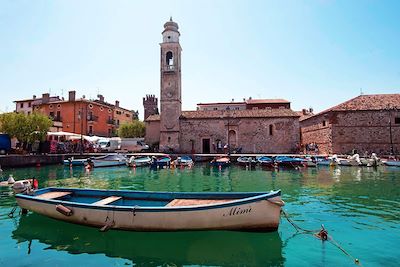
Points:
(26, 128)
(132, 129)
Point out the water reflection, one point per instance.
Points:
(153, 249)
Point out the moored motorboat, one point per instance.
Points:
(220, 162)
(246, 161)
(157, 211)
(138, 161)
(71, 161)
(183, 161)
(109, 160)
(161, 162)
(392, 163)
(327, 161)
(265, 161)
(289, 162)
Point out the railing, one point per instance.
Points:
(55, 118)
(110, 121)
(169, 68)
(92, 118)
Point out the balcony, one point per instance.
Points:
(57, 118)
(92, 118)
(169, 68)
(110, 121)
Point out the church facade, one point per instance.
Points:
(258, 130)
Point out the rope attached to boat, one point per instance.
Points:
(320, 234)
(11, 213)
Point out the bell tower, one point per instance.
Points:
(170, 87)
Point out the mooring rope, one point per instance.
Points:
(320, 234)
(11, 213)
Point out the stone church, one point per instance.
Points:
(269, 129)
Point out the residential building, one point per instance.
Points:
(26, 105)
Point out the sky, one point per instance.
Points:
(312, 53)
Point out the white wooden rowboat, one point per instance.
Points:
(157, 211)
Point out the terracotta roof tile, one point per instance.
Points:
(214, 114)
(266, 101)
(155, 117)
(259, 113)
(367, 102)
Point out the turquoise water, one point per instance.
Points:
(360, 207)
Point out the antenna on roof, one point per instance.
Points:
(62, 92)
(361, 91)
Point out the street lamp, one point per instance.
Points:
(389, 109)
(80, 117)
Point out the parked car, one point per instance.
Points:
(133, 145)
(5, 144)
(109, 144)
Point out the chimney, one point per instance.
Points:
(71, 96)
(34, 97)
(100, 97)
(45, 98)
(117, 103)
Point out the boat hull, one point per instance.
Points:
(107, 163)
(75, 162)
(392, 163)
(261, 215)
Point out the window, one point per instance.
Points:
(51, 114)
(30, 104)
(21, 105)
(271, 128)
(215, 108)
(90, 129)
(397, 120)
(29, 113)
(169, 59)
(324, 123)
(255, 108)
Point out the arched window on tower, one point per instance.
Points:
(169, 60)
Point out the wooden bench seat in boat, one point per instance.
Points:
(107, 200)
(195, 202)
(53, 195)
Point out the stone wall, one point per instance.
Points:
(317, 129)
(365, 131)
(152, 132)
(252, 135)
(348, 130)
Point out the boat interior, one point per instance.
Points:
(131, 201)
